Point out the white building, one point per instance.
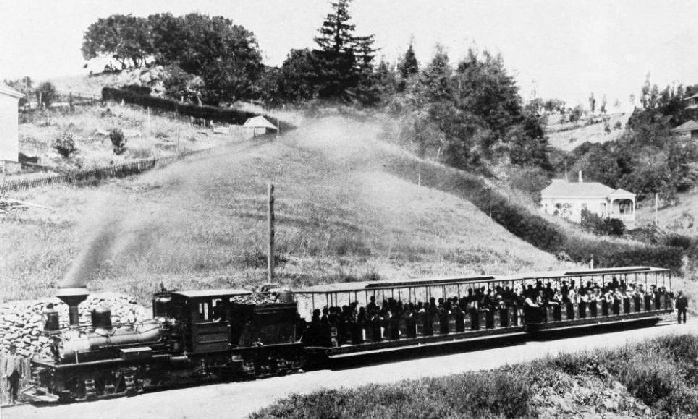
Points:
(568, 199)
(259, 125)
(9, 128)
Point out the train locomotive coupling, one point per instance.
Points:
(216, 335)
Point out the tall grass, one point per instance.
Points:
(660, 373)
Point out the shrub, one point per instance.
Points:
(118, 140)
(530, 180)
(600, 225)
(48, 93)
(65, 144)
(618, 125)
(678, 240)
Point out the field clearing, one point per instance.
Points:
(679, 219)
(570, 139)
(152, 137)
(201, 222)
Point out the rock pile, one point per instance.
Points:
(22, 322)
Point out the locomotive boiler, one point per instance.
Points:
(194, 336)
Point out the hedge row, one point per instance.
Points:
(535, 229)
(210, 113)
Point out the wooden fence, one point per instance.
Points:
(78, 176)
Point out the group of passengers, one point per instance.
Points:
(480, 307)
(593, 300)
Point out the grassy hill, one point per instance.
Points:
(681, 218)
(567, 137)
(343, 211)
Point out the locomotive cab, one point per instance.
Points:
(204, 318)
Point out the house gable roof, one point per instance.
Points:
(8, 91)
(686, 127)
(561, 188)
(259, 122)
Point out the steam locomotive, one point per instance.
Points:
(199, 336)
(194, 336)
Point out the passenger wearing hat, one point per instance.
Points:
(681, 306)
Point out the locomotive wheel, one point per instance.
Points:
(76, 387)
(109, 384)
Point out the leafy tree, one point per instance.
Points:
(295, 80)
(125, 38)
(226, 56)
(46, 93)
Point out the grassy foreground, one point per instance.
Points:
(657, 378)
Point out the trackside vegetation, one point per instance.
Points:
(657, 378)
(535, 229)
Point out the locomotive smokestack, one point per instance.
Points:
(73, 296)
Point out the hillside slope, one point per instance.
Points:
(569, 139)
(342, 214)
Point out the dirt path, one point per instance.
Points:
(235, 400)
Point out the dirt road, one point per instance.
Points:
(235, 400)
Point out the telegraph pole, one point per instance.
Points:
(270, 256)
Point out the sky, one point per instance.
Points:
(559, 49)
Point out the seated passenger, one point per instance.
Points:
(593, 302)
(617, 298)
(583, 301)
(556, 303)
(443, 321)
(460, 318)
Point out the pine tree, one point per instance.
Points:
(344, 61)
(335, 56)
(409, 65)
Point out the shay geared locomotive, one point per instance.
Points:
(199, 336)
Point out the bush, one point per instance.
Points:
(530, 180)
(118, 140)
(678, 240)
(593, 223)
(65, 144)
(48, 93)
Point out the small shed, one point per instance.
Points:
(260, 125)
(9, 128)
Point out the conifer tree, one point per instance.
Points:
(409, 65)
(344, 61)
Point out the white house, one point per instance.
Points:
(9, 128)
(568, 199)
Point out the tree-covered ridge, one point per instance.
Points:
(648, 158)
(467, 114)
